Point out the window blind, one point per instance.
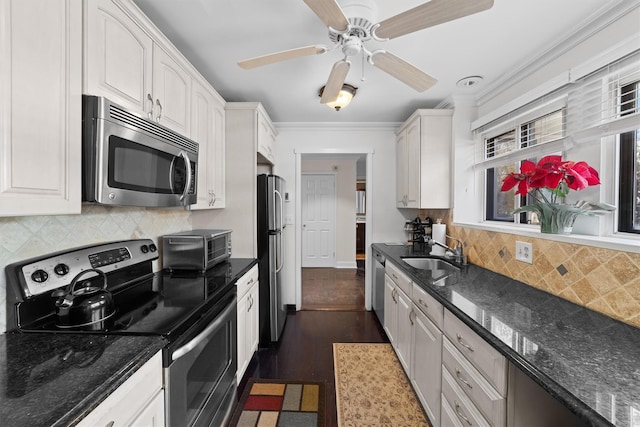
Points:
(595, 106)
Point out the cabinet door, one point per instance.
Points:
(118, 57)
(218, 179)
(401, 169)
(153, 414)
(413, 164)
(390, 309)
(253, 321)
(203, 132)
(404, 328)
(171, 92)
(40, 107)
(426, 358)
(242, 317)
(266, 138)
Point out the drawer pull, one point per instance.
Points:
(459, 376)
(393, 296)
(423, 303)
(394, 276)
(464, 344)
(461, 415)
(110, 424)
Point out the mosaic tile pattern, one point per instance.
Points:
(25, 237)
(604, 280)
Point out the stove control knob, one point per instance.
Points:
(39, 276)
(144, 249)
(153, 247)
(61, 269)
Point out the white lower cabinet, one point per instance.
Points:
(397, 319)
(463, 408)
(139, 401)
(426, 360)
(248, 306)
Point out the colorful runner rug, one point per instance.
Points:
(281, 403)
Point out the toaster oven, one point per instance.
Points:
(195, 250)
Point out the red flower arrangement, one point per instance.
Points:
(558, 177)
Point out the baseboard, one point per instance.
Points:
(346, 264)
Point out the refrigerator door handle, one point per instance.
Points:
(281, 208)
(280, 254)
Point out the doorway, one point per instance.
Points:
(318, 220)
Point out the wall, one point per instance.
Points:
(25, 237)
(345, 170)
(384, 222)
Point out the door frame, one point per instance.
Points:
(299, 152)
(333, 213)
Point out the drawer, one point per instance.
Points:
(428, 305)
(486, 399)
(491, 364)
(461, 407)
(246, 281)
(398, 277)
(130, 399)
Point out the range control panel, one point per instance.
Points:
(50, 272)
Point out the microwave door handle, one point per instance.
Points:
(187, 163)
(222, 317)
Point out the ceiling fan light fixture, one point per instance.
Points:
(344, 97)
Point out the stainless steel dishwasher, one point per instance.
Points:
(378, 284)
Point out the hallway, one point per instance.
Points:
(337, 289)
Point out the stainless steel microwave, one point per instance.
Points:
(128, 160)
(196, 250)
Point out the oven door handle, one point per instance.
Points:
(203, 335)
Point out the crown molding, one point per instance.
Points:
(592, 25)
(337, 126)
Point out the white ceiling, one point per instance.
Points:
(215, 34)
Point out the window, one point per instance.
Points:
(533, 133)
(629, 184)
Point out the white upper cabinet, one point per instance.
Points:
(207, 129)
(423, 160)
(118, 57)
(40, 107)
(266, 138)
(128, 61)
(171, 92)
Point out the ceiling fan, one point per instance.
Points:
(351, 33)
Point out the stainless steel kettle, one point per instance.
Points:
(85, 307)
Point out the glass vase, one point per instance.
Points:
(558, 219)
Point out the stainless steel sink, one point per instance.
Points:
(442, 272)
(430, 264)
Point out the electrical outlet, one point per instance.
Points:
(524, 252)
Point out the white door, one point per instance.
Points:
(318, 220)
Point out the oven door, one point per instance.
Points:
(200, 376)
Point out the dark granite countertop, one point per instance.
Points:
(57, 379)
(586, 360)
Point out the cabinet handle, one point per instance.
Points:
(150, 113)
(394, 276)
(393, 296)
(461, 415)
(110, 424)
(160, 113)
(213, 201)
(462, 343)
(459, 376)
(250, 303)
(424, 304)
(412, 316)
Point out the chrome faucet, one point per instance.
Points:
(457, 251)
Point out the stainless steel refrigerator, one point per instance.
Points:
(273, 310)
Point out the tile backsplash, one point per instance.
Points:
(604, 280)
(26, 237)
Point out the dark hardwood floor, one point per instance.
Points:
(332, 289)
(305, 349)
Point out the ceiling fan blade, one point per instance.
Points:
(335, 81)
(429, 14)
(329, 13)
(259, 61)
(403, 71)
